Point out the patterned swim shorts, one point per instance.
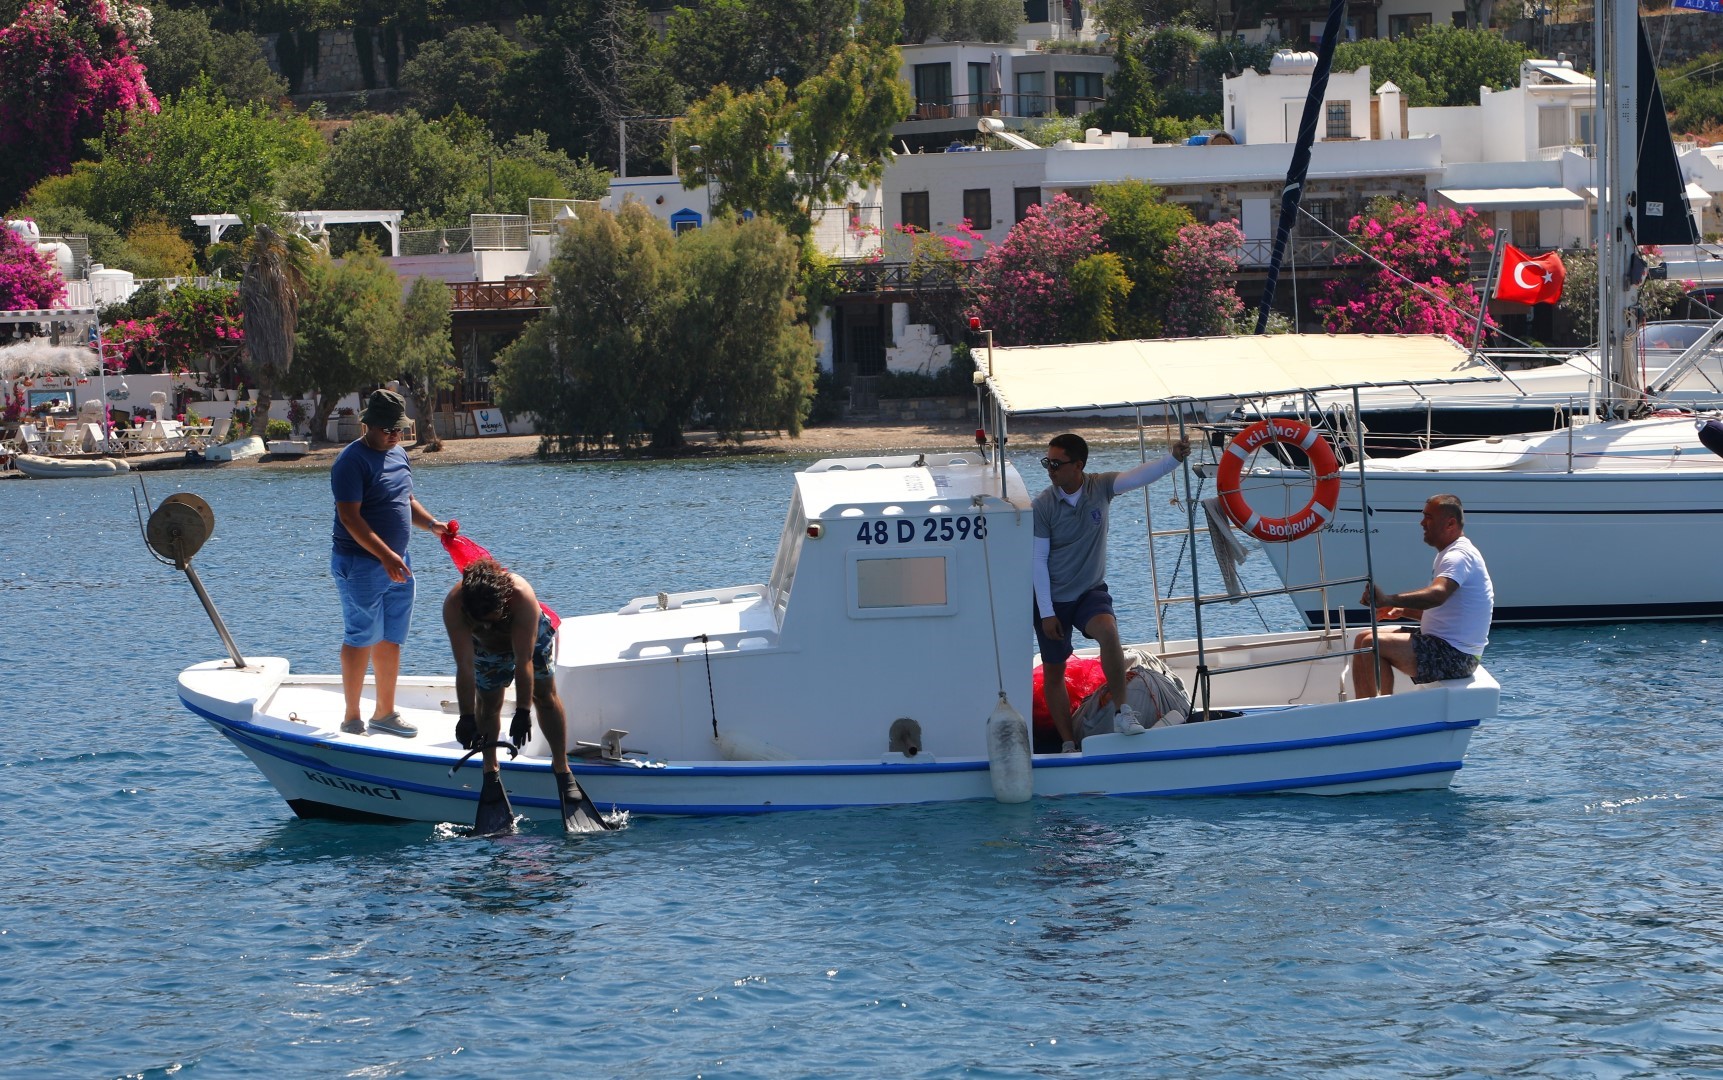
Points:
(1439, 660)
(494, 671)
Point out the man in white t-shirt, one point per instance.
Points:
(1453, 611)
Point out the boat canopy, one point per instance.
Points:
(1123, 374)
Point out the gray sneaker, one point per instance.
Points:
(394, 725)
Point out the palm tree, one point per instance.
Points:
(277, 260)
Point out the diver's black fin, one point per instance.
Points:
(495, 815)
(578, 813)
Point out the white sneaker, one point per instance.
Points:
(1126, 722)
(1069, 747)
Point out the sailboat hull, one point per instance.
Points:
(1631, 535)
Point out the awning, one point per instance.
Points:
(1124, 374)
(1696, 195)
(1527, 198)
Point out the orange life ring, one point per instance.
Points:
(1316, 512)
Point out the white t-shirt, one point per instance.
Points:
(1463, 620)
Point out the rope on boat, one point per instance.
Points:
(978, 501)
(711, 696)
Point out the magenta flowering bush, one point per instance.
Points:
(194, 325)
(1023, 285)
(1204, 262)
(1429, 246)
(64, 66)
(28, 278)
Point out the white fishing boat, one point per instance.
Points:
(887, 657)
(1611, 519)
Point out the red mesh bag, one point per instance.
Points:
(1082, 678)
(465, 552)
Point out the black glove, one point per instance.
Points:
(521, 730)
(467, 731)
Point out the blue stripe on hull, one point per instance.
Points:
(1556, 613)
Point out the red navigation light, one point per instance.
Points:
(975, 322)
(981, 436)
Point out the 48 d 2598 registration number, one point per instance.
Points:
(933, 530)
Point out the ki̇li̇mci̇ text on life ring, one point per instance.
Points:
(1316, 512)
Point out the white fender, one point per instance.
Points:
(1008, 754)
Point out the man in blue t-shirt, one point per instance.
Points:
(374, 514)
(1070, 570)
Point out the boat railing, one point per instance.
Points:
(707, 643)
(672, 601)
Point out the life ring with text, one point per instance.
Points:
(1316, 512)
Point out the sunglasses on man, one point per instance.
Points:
(1050, 463)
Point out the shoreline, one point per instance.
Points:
(825, 440)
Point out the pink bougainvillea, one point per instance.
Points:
(28, 278)
(1400, 241)
(1204, 261)
(1023, 290)
(195, 325)
(64, 65)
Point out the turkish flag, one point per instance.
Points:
(1526, 280)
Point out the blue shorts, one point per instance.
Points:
(1437, 660)
(1075, 616)
(494, 671)
(373, 608)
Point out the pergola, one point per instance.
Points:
(315, 221)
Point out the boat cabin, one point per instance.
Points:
(883, 563)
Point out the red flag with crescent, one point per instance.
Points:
(1528, 280)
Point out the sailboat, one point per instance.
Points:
(1628, 480)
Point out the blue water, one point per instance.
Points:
(1558, 912)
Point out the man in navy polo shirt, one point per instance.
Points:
(374, 515)
(1070, 570)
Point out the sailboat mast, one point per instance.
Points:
(1616, 30)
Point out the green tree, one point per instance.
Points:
(278, 261)
(426, 353)
(1693, 93)
(961, 20)
(403, 162)
(744, 43)
(199, 155)
(1141, 227)
(745, 359)
(592, 65)
(186, 50)
(578, 366)
(1133, 98)
(349, 330)
(836, 128)
(649, 332)
(1438, 65)
(464, 70)
(1099, 286)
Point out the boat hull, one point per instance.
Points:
(1546, 538)
(1417, 740)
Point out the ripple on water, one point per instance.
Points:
(1553, 914)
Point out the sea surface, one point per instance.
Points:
(1557, 912)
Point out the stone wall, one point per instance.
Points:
(330, 60)
(1677, 36)
(918, 410)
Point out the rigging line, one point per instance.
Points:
(978, 502)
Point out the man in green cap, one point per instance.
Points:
(374, 515)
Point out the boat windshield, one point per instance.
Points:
(789, 553)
